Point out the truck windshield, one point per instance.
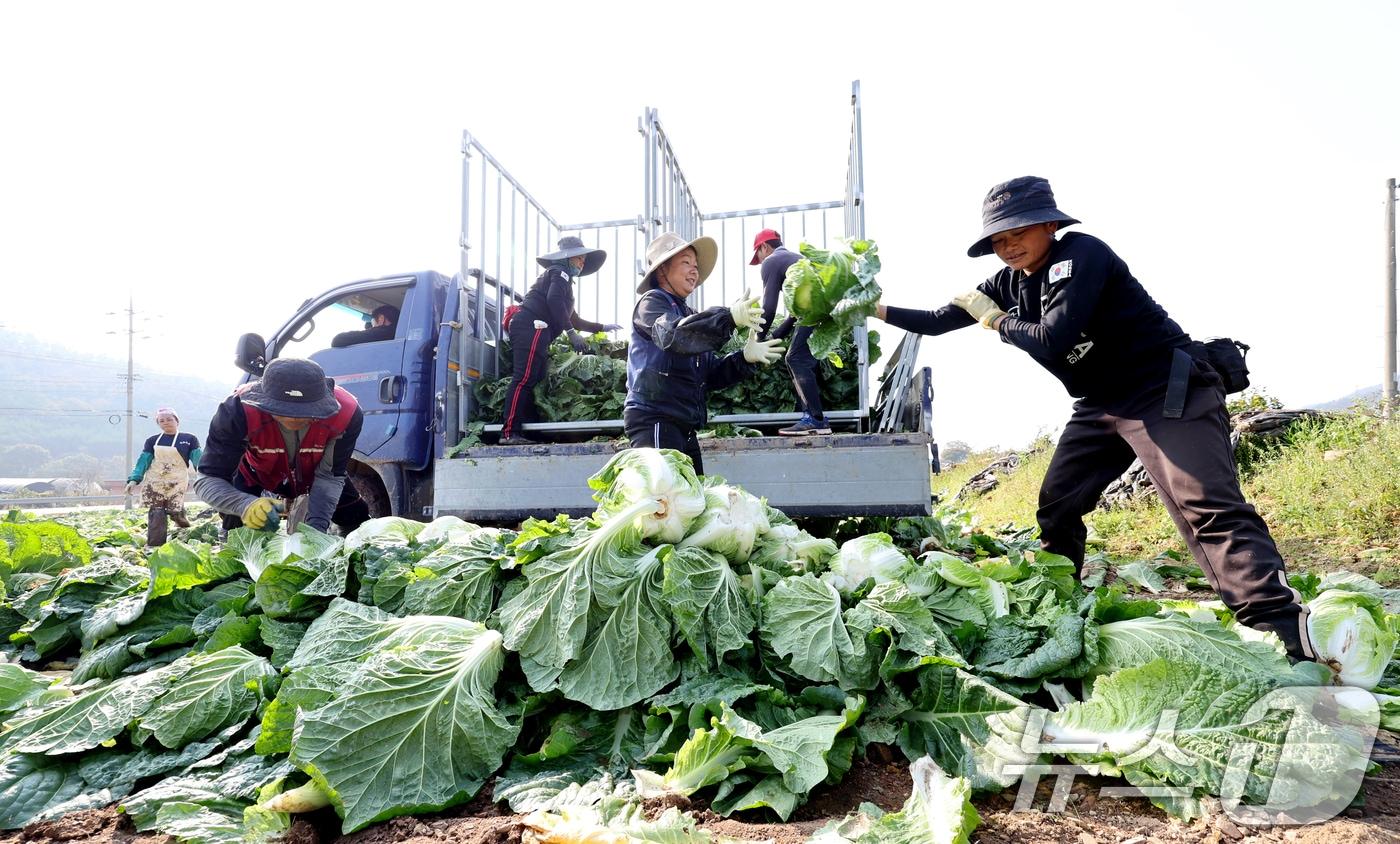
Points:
(351, 313)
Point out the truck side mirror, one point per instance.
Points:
(251, 354)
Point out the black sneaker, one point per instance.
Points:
(1294, 634)
(806, 427)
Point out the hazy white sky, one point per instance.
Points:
(221, 162)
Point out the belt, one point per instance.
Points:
(1177, 383)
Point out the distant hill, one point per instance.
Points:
(1368, 395)
(74, 403)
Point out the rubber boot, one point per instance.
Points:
(155, 527)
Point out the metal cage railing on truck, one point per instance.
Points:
(504, 227)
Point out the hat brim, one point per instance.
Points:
(592, 262)
(706, 256)
(983, 246)
(322, 409)
(772, 235)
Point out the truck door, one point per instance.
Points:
(366, 359)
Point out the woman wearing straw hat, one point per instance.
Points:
(546, 312)
(671, 361)
(1072, 304)
(163, 466)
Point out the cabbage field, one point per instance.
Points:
(685, 655)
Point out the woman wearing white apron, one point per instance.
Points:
(164, 465)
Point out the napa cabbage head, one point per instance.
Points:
(655, 490)
(733, 520)
(790, 549)
(384, 531)
(1349, 631)
(870, 557)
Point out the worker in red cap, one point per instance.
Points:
(773, 260)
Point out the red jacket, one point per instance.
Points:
(265, 463)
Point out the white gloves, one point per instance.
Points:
(979, 306)
(130, 487)
(746, 312)
(766, 352)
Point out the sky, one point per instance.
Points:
(219, 163)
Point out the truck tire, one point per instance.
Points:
(156, 526)
(367, 484)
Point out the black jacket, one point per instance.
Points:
(551, 299)
(671, 361)
(1083, 316)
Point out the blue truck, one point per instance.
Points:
(424, 450)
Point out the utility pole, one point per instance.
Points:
(1388, 374)
(130, 382)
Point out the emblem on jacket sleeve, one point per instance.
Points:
(1061, 271)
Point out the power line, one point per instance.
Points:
(73, 360)
(30, 356)
(78, 411)
(25, 356)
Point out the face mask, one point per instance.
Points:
(573, 271)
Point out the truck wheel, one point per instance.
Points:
(372, 493)
(156, 526)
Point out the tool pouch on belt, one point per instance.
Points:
(1221, 354)
(1226, 357)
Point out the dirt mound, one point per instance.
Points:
(1087, 817)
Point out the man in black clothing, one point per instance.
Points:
(546, 312)
(768, 250)
(1073, 306)
(384, 321)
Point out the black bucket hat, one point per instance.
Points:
(293, 387)
(572, 247)
(1023, 201)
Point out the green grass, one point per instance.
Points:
(1329, 491)
(1013, 500)
(950, 480)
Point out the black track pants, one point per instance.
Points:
(1192, 466)
(649, 431)
(804, 372)
(529, 361)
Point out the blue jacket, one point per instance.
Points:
(671, 361)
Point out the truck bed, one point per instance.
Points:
(888, 474)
